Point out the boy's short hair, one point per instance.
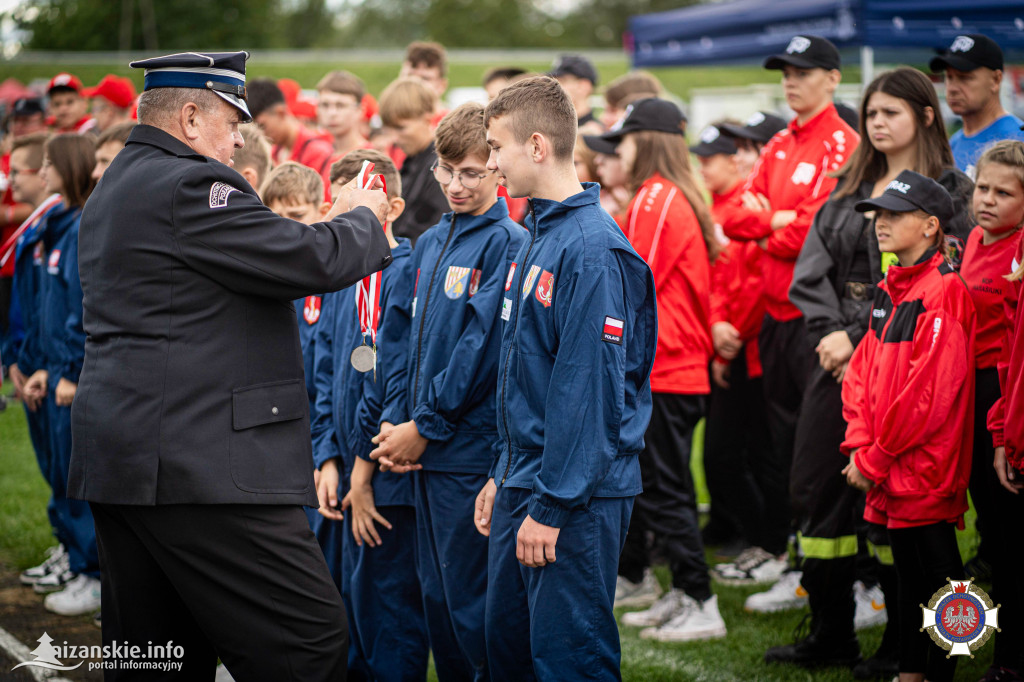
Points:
(462, 134)
(506, 73)
(430, 55)
(116, 133)
(35, 143)
(348, 166)
(537, 105)
(255, 152)
(262, 94)
(629, 85)
(404, 99)
(292, 183)
(343, 83)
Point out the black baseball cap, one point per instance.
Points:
(600, 145)
(760, 127)
(969, 52)
(652, 113)
(806, 52)
(574, 65)
(911, 191)
(28, 106)
(714, 141)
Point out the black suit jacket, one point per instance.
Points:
(192, 389)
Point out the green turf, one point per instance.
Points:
(24, 534)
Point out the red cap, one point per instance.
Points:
(65, 80)
(369, 105)
(117, 90)
(298, 105)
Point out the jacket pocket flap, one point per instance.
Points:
(277, 401)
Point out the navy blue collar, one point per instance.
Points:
(548, 213)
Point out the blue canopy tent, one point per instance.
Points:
(749, 30)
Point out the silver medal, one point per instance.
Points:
(363, 358)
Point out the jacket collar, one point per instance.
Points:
(58, 222)
(900, 280)
(404, 248)
(153, 136)
(468, 223)
(827, 114)
(548, 213)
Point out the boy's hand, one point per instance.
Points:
(34, 390)
(327, 491)
(65, 392)
(535, 543)
(720, 374)
(364, 513)
(726, 340)
(484, 508)
(855, 478)
(1009, 477)
(350, 196)
(18, 379)
(834, 350)
(400, 449)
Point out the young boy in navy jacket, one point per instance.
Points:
(574, 399)
(449, 429)
(387, 633)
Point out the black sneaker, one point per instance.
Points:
(812, 653)
(875, 667)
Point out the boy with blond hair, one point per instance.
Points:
(387, 633)
(407, 106)
(339, 110)
(252, 161)
(579, 333)
(449, 427)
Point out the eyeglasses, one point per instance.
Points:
(14, 172)
(469, 179)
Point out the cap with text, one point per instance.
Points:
(969, 52)
(221, 72)
(652, 113)
(806, 52)
(714, 141)
(912, 191)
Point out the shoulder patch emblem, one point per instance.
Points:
(474, 282)
(612, 332)
(311, 309)
(511, 274)
(545, 287)
(456, 281)
(219, 192)
(530, 278)
(53, 264)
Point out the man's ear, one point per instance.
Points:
(188, 119)
(396, 207)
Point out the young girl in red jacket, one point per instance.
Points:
(995, 489)
(908, 399)
(669, 225)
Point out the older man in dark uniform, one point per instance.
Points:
(191, 425)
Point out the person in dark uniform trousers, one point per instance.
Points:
(191, 422)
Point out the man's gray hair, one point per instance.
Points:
(159, 103)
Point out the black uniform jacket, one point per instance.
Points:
(823, 267)
(192, 389)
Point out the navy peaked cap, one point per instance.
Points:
(221, 72)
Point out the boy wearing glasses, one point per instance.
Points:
(448, 431)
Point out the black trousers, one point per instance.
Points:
(983, 480)
(737, 451)
(926, 556)
(668, 505)
(786, 361)
(246, 583)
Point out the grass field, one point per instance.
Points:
(24, 534)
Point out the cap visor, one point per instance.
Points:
(236, 102)
(733, 130)
(886, 201)
(941, 63)
(600, 145)
(780, 61)
(705, 150)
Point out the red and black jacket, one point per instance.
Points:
(1006, 418)
(908, 396)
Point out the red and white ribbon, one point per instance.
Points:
(368, 290)
(7, 250)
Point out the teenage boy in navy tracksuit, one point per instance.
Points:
(459, 267)
(580, 330)
(387, 633)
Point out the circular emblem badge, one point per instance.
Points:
(960, 617)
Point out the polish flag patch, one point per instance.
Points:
(612, 330)
(511, 274)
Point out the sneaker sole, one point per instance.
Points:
(73, 612)
(744, 581)
(636, 602)
(716, 633)
(29, 581)
(644, 624)
(775, 608)
(47, 589)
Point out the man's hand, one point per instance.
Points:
(327, 490)
(400, 449)
(720, 374)
(781, 219)
(65, 392)
(833, 350)
(485, 507)
(1009, 477)
(351, 196)
(18, 379)
(34, 391)
(535, 543)
(855, 478)
(726, 340)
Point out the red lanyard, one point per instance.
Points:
(368, 291)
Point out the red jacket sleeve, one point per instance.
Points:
(744, 224)
(856, 396)
(786, 243)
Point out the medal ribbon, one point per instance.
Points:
(368, 291)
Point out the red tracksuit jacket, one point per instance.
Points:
(1006, 418)
(984, 271)
(908, 397)
(792, 172)
(737, 293)
(662, 227)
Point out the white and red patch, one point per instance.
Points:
(511, 274)
(53, 263)
(474, 282)
(311, 309)
(612, 332)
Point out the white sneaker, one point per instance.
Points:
(81, 596)
(665, 609)
(753, 565)
(784, 595)
(696, 621)
(870, 606)
(56, 562)
(643, 593)
(54, 581)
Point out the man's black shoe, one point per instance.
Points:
(812, 652)
(874, 668)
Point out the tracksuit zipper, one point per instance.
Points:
(423, 314)
(515, 325)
